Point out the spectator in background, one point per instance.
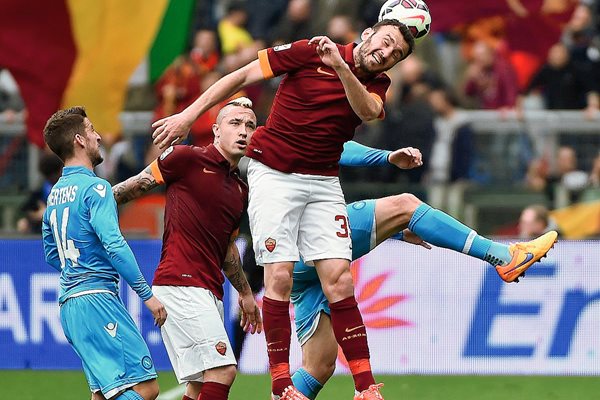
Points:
(567, 176)
(534, 221)
(595, 173)
(295, 24)
(409, 116)
(342, 29)
(579, 34)
(565, 85)
(452, 151)
(490, 79)
(263, 16)
(205, 53)
(537, 175)
(237, 46)
(50, 166)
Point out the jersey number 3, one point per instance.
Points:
(66, 247)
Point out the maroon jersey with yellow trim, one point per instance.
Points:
(311, 117)
(205, 202)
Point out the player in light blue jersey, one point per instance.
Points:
(402, 217)
(83, 242)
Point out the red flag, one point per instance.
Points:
(37, 47)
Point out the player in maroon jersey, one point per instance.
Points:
(296, 203)
(205, 201)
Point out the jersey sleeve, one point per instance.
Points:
(104, 221)
(50, 249)
(173, 163)
(286, 58)
(378, 89)
(358, 155)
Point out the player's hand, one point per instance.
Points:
(406, 158)
(171, 130)
(251, 320)
(411, 237)
(328, 51)
(158, 311)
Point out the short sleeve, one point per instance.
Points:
(378, 89)
(285, 58)
(174, 161)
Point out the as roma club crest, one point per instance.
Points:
(270, 244)
(221, 348)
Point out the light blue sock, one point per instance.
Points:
(440, 229)
(129, 395)
(306, 383)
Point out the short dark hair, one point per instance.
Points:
(404, 31)
(61, 128)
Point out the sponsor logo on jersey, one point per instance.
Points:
(165, 153)
(282, 47)
(221, 348)
(100, 189)
(208, 171)
(111, 329)
(270, 244)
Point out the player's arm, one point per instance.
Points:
(358, 155)
(138, 185)
(175, 128)
(50, 249)
(366, 105)
(232, 268)
(104, 222)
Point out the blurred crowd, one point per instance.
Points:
(490, 63)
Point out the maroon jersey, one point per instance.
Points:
(205, 202)
(311, 117)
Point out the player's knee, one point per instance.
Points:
(148, 390)
(224, 375)
(405, 204)
(280, 281)
(341, 288)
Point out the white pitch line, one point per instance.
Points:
(173, 394)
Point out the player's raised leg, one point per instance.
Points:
(396, 213)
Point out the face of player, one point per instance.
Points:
(233, 131)
(381, 49)
(92, 143)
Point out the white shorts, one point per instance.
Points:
(293, 215)
(194, 333)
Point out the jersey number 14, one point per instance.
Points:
(66, 247)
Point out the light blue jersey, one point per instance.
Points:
(82, 239)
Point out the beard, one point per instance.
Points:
(95, 157)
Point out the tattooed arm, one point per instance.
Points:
(251, 320)
(232, 267)
(135, 187)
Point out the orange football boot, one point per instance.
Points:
(372, 393)
(524, 254)
(290, 393)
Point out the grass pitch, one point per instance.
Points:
(71, 385)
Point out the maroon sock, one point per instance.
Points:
(214, 391)
(278, 332)
(351, 335)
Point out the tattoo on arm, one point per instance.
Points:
(134, 187)
(232, 267)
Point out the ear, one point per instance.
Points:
(79, 139)
(215, 129)
(366, 33)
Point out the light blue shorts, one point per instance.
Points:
(307, 295)
(112, 350)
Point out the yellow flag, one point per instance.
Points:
(578, 221)
(112, 38)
